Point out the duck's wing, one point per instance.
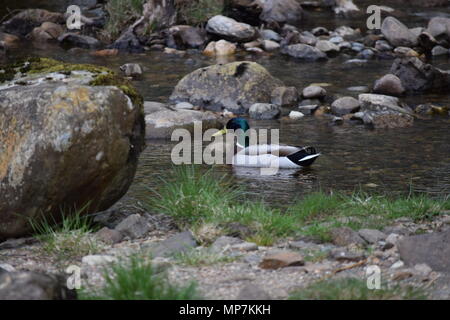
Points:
(272, 149)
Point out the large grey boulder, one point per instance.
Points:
(80, 41)
(432, 249)
(161, 120)
(345, 105)
(264, 111)
(69, 138)
(397, 33)
(417, 76)
(235, 86)
(230, 29)
(304, 52)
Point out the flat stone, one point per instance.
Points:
(245, 246)
(372, 236)
(282, 260)
(345, 236)
(178, 243)
(134, 226)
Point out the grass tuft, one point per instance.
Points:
(203, 257)
(203, 201)
(70, 239)
(354, 289)
(136, 279)
(197, 12)
(121, 13)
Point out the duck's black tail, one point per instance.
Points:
(305, 157)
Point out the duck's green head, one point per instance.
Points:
(239, 126)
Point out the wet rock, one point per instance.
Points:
(134, 226)
(397, 33)
(304, 52)
(314, 92)
(432, 249)
(178, 243)
(133, 70)
(271, 35)
(345, 105)
(33, 286)
(187, 37)
(220, 48)
(382, 45)
(128, 42)
(320, 31)
(264, 111)
(253, 292)
(286, 11)
(345, 236)
(439, 28)
(79, 41)
(389, 85)
(295, 115)
(327, 47)
(348, 33)
(8, 41)
(230, 29)
(439, 51)
(307, 38)
(383, 112)
(62, 122)
(161, 120)
(284, 97)
(282, 259)
(366, 54)
(235, 86)
(371, 236)
(48, 31)
(270, 45)
(109, 236)
(308, 109)
(418, 77)
(25, 21)
(352, 63)
(405, 52)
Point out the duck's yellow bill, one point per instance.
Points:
(220, 133)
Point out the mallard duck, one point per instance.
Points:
(265, 155)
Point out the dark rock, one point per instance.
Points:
(345, 105)
(129, 42)
(79, 41)
(25, 21)
(253, 292)
(397, 33)
(186, 37)
(235, 86)
(97, 131)
(432, 249)
(236, 229)
(286, 11)
(345, 236)
(418, 77)
(179, 243)
(33, 286)
(285, 97)
(134, 226)
(264, 111)
(304, 52)
(389, 85)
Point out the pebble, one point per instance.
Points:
(282, 260)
